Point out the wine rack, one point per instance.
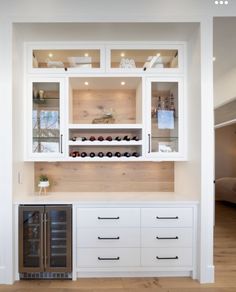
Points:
(113, 142)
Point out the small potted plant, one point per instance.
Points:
(43, 181)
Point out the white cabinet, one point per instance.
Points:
(165, 118)
(139, 239)
(67, 57)
(108, 237)
(121, 102)
(45, 119)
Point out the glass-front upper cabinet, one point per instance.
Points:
(148, 58)
(165, 119)
(46, 119)
(62, 58)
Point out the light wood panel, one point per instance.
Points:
(91, 104)
(107, 177)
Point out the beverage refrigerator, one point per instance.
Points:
(45, 241)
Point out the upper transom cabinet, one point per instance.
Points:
(61, 58)
(144, 58)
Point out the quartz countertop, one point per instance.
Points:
(111, 198)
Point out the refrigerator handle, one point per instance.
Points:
(45, 241)
(41, 240)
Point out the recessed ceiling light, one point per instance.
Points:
(50, 55)
(86, 83)
(221, 2)
(86, 54)
(122, 83)
(122, 54)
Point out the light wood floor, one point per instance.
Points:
(225, 262)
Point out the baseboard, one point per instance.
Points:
(208, 276)
(96, 274)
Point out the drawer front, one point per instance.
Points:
(108, 257)
(166, 257)
(108, 237)
(166, 237)
(108, 217)
(167, 217)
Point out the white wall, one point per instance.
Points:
(225, 64)
(188, 174)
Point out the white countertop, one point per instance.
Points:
(111, 198)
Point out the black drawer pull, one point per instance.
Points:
(176, 217)
(108, 238)
(171, 258)
(176, 237)
(108, 218)
(108, 259)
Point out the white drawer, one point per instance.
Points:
(167, 217)
(108, 237)
(108, 217)
(108, 257)
(166, 237)
(166, 257)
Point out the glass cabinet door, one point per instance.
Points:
(59, 239)
(165, 118)
(78, 59)
(31, 239)
(150, 58)
(47, 134)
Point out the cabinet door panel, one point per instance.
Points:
(31, 239)
(58, 238)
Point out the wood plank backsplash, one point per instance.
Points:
(107, 177)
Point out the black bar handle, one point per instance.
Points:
(149, 143)
(61, 144)
(176, 237)
(176, 217)
(108, 238)
(170, 258)
(108, 259)
(108, 218)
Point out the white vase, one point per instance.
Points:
(43, 184)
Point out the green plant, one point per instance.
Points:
(43, 177)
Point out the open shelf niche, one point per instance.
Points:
(105, 116)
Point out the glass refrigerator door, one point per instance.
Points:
(31, 239)
(59, 238)
(164, 137)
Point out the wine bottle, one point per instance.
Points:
(83, 154)
(126, 138)
(118, 154)
(100, 154)
(100, 138)
(109, 138)
(73, 139)
(135, 138)
(92, 138)
(92, 154)
(127, 154)
(83, 139)
(118, 138)
(74, 154)
(135, 154)
(109, 154)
